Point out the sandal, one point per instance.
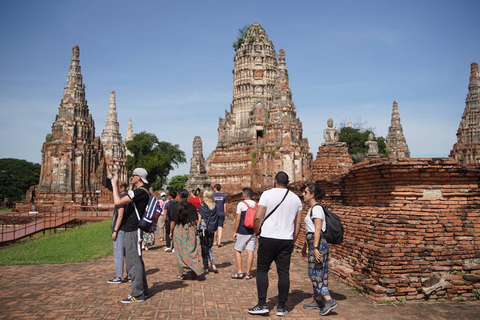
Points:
(214, 269)
(180, 277)
(238, 275)
(248, 276)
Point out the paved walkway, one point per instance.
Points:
(79, 290)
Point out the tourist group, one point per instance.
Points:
(192, 223)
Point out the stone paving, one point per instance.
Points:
(80, 290)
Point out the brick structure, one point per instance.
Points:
(411, 228)
(112, 142)
(73, 164)
(396, 142)
(332, 162)
(466, 149)
(198, 174)
(261, 134)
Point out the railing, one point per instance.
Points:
(18, 226)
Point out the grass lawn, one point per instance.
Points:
(90, 241)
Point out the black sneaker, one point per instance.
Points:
(281, 311)
(258, 309)
(115, 280)
(131, 299)
(127, 279)
(329, 306)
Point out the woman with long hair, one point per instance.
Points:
(185, 239)
(318, 251)
(208, 226)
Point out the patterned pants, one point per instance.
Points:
(206, 242)
(318, 271)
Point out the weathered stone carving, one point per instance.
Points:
(129, 135)
(331, 135)
(396, 142)
(372, 147)
(198, 174)
(113, 145)
(466, 149)
(261, 134)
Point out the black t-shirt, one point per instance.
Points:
(172, 210)
(130, 220)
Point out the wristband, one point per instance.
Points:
(115, 231)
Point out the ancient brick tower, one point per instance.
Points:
(198, 174)
(466, 149)
(396, 143)
(261, 134)
(72, 157)
(113, 145)
(129, 135)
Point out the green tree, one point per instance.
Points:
(356, 138)
(16, 177)
(177, 182)
(157, 157)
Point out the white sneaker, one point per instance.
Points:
(168, 249)
(173, 250)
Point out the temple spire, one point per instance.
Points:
(466, 149)
(129, 135)
(396, 142)
(198, 177)
(112, 142)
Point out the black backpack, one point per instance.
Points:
(334, 232)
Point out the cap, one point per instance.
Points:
(163, 194)
(142, 173)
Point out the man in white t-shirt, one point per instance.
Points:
(281, 213)
(243, 236)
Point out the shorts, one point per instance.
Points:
(248, 240)
(221, 221)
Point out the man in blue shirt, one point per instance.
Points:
(220, 201)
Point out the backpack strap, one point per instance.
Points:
(248, 206)
(311, 211)
(136, 211)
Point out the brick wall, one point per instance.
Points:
(412, 229)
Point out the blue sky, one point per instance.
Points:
(170, 64)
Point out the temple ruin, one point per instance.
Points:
(113, 145)
(466, 149)
(261, 134)
(198, 174)
(75, 163)
(396, 142)
(129, 136)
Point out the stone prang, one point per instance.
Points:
(261, 133)
(198, 174)
(72, 158)
(396, 142)
(129, 135)
(466, 149)
(113, 145)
